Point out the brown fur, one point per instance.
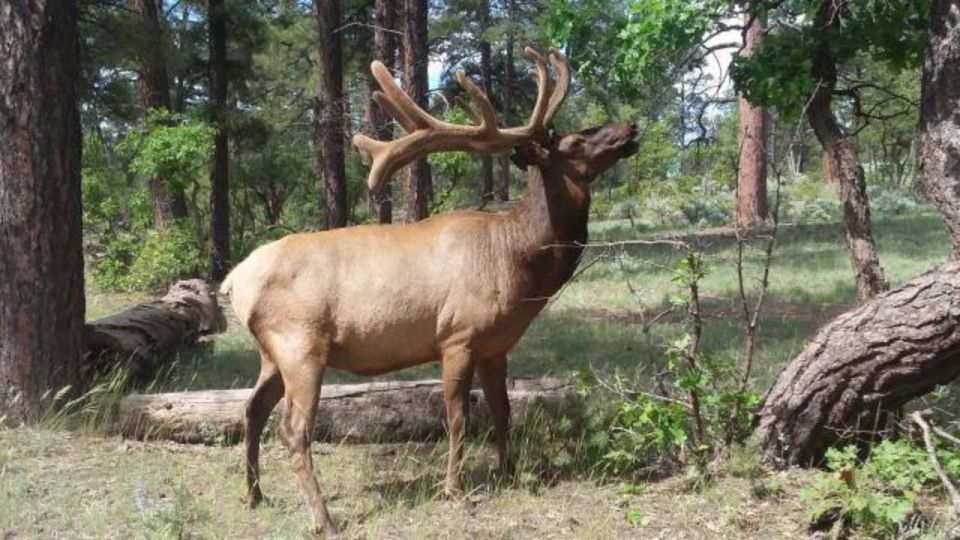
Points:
(460, 287)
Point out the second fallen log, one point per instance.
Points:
(356, 413)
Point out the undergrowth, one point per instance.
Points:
(880, 496)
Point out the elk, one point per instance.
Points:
(461, 287)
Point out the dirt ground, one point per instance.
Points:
(56, 484)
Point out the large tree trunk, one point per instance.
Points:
(219, 174)
(41, 262)
(863, 365)
(903, 343)
(358, 413)
(153, 92)
(139, 339)
(418, 185)
(381, 126)
(329, 121)
(501, 189)
(940, 116)
(486, 160)
(752, 142)
(858, 231)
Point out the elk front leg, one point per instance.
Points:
(457, 375)
(493, 379)
(303, 395)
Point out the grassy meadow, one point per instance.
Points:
(57, 484)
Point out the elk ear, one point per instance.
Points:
(530, 155)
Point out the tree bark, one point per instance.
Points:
(169, 203)
(828, 168)
(863, 365)
(752, 142)
(329, 121)
(858, 231)
(501, 189)
(219, 173)
(903, 343)
(486, 160)
(381, 125)
(41, 260)
(140, 339)
(416, 59)
(940, 116)
(357, 413)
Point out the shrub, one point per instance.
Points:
(623, 210)
(892, 203)
(879, 495)
(813, 210)
(700, 406)
(702, 212)
(148, 263)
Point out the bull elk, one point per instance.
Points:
(461, 287)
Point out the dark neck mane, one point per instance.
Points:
(554, 208)
(551, 228)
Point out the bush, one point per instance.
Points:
(148, 263)
(892, 203)
(877, 496)
(703, 212)
(813, 210)
(662, 210)
(700, 407)
(623, 210)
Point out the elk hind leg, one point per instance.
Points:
(302, 383)
(266, 393)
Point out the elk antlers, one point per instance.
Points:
(426, 134)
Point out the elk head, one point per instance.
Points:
(580, 156)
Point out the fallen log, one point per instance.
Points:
(863, 366)
(138, 339)
(357, 413)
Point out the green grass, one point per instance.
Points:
(597, 322)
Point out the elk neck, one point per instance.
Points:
(550, 228)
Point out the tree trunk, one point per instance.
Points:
(219, 174)
(903, 343)
(418, 185)
(858, 231)
(153, 92)
(41, 260)
(939, 122)
(142, 337)
(863, 365)
(381, 126)
(828, 168)
(329, 121)
(358, 413)
(501, 190)
(486, 160)
(752, 142)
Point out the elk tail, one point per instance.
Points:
(227, 284)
